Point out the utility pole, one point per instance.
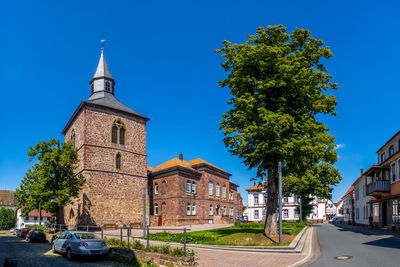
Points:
(144, 210)
(280, 200)
(40, 215)
(301, 212)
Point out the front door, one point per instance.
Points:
(384, 214)
(160, 220)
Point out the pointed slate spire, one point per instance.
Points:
(102, 81)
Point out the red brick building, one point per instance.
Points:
(111, 142)
(192, 192)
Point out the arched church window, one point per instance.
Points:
(108, 86)
(118, 133)
(118, 161)
(73, 137)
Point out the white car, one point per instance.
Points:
(336, 220)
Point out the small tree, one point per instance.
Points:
(51, 183)
(7, 218)
(278, 86)
(341, 210)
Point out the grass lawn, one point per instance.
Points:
(245, 234)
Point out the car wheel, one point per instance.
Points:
(28, 239)
(53, 248)
(69, 254)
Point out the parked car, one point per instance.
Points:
(17, 231)
(336, 220)
(79, 243)
(12, 230)
(36, 235)
(23, 232)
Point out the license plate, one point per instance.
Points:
(94, 251)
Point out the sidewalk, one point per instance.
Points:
(220, 258)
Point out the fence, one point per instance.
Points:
(124, 233)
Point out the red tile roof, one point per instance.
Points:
(35, 213)
(349, 191)
(257, 187)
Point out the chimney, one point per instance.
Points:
(181, 156)
(362, 171)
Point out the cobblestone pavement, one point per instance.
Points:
(38, 254)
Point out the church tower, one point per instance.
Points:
(111, 142)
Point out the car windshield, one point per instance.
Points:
(86, 236)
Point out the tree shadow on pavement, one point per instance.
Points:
(389, 242)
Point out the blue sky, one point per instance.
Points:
(161, 56)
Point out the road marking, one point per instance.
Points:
(50, 252)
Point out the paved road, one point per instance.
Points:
(38, 254)
(367, 247)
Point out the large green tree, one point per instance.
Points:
(51, 182)
(279, 85)
(7, 218)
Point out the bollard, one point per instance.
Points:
(184, 241)
(121, 237)
(148, 239)
(76, 228)
(127, 233)
(101, 232)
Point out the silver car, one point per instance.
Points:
(79, 243)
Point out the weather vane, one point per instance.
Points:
(102, 44)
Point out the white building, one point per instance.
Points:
(256, 207)
(339, 205)
(348, 204)
(361, 200)
(33, 218)
(330, 210)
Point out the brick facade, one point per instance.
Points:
(172, 199)
(110, 195)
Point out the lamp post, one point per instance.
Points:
(280, 200)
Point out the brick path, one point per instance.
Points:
(210, 258)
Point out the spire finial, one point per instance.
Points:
(102, 44)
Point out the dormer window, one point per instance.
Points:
(108, 86)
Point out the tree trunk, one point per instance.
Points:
(272, 213)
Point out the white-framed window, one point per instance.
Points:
(256, 214)
(393, 172)
(231, 196)
(156, 188)
(27, 218)
(224, 191)
(35, 218)
(193, 188)
(211, 210)
(188, 186)
(256, 200)
(285, 200)
(398, 167)
(217, 190)
(210, 188)
(376, 209)
(224, 211)
(193, 209)
(155, 209)
(285, 213)
(188, 209)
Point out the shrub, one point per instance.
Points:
(138, 245)
(155, 249)
(164, 249)
(177, 252)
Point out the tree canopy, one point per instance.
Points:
(279, 85)
(7, 218)
(51, 181)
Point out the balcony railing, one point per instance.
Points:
(378, 186)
